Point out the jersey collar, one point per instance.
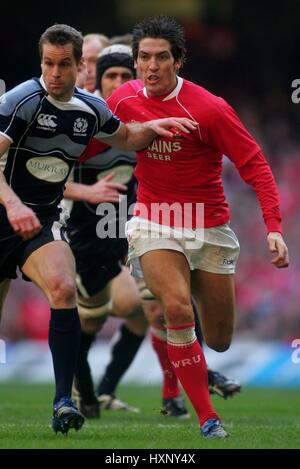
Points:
(173, 93)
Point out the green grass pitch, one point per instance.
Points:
(256, 418)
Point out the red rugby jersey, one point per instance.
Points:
(186, 169)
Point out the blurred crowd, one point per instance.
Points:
(268, 299)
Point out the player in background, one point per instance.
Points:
(93, 44)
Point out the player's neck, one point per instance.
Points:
(172, 91)
(65, 98)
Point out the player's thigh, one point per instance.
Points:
(50, 266)
(4, 286)
(125, 295)
(166, 273)
(215, 296)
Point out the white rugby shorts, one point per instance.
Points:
(213, 249)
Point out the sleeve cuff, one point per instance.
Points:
(273, 224)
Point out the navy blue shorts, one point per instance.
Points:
(14, 251)
(97, 262)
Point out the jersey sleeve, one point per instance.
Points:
(257, 173)
(108, 124)
(225, 132)
(17, 109)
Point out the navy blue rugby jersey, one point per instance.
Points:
(47, 136)
(83, 215)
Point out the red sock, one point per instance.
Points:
(170, 387)
(189, 364)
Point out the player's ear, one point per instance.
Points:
(177, 65)
(136, 69)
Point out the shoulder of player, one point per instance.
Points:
(89, 98)
(96, 104)
(23, 93)
(129, 90)
(207, 102)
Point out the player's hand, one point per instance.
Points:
(23, 220)
(164, 127)
(105, 191)
(277, 245)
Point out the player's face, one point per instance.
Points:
(59, 69)
(112, 78)
(156, 66)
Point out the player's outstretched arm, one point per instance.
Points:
(137, 136)
(277, 245)
(22, 218)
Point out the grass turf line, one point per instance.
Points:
(256, 418)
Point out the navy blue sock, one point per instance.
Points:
(64, 341)
(123, 353)
(198, 329)
(83, 376)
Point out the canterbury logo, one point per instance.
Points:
(187, 361)
(47, 121)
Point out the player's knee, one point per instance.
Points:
(178, 312)
(221, 347)
(218, 344)
(62, 291)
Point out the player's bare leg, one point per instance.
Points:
(215, 296)
(167, 275)
(218, 383)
